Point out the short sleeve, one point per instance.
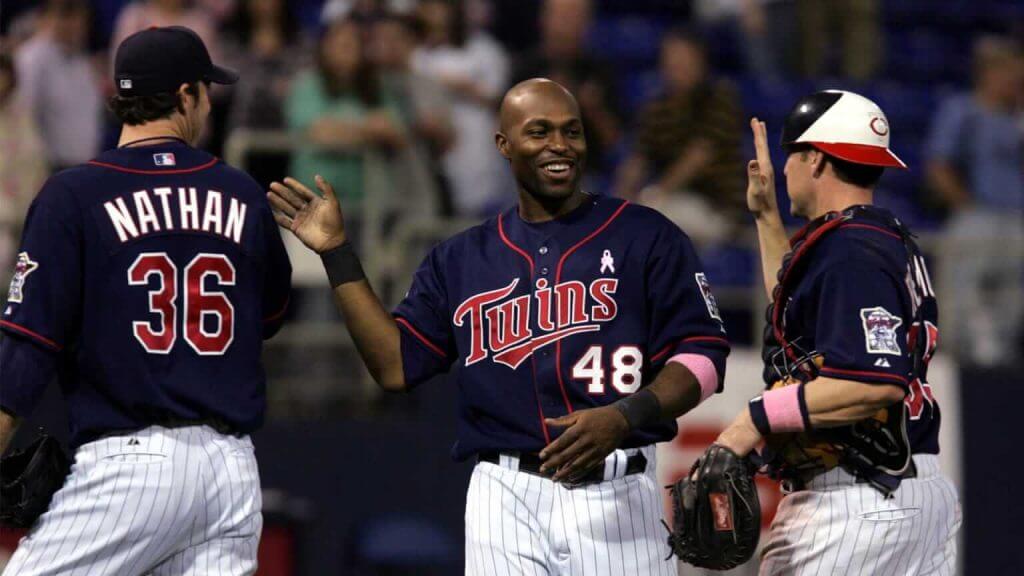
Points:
(945, 138)
(44, 297)
(683, 313)
(428, 344)
(860, 325)
(277, 282)
(43, 302)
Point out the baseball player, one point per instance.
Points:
(146, 283)
(850, 421)
(581, 327)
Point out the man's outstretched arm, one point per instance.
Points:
(317, 221)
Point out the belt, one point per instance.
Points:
(884, 482)
(530, 462)
(216, 424)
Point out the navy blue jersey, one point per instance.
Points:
(856, 306)
(150, 276)
(544, 319)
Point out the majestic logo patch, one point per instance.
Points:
(164, 159)
(22, 268)
(709, 298)
(500, 325)
(880, 330)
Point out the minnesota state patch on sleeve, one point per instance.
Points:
(709, 298)
(22, 268)
(880, 330)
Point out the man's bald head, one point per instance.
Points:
(542, 137)
(533, 95)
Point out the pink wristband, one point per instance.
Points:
(703, 368)
(782, 408)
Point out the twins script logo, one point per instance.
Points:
(501, 326)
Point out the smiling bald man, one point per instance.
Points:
(583, 327)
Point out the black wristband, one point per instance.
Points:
(759, 416)
(804, 413)
(640, 409)
(342, 265)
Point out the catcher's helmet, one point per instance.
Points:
(841, 124)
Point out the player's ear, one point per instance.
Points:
(817, 163)
(184, 94)
(502, 143)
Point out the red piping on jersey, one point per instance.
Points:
(26, 332)
(277, 315)
(533, 365)
(670, 347)
(881, 375)
(777, 308)
(433, 347)
(154, 172)
(558, 278)
(501, 232)
(540, 411)
(875, 228)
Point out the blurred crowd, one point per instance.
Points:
(394, 101)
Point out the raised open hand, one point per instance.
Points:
(315, 220)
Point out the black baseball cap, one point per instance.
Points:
(160, 59)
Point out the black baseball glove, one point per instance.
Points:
(28, 480)
(717, 515)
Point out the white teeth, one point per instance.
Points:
(556, 167)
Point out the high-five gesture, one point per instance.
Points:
(760, 174)
(315, 220)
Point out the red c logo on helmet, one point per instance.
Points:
(879, 126)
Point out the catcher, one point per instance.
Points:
(850, 423)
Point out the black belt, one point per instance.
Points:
(530, 462)
(885, 482)
(216, 424)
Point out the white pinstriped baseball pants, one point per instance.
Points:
(159, 501)
(521, 524)
(837, 526)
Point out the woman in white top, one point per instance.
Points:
(474, 68)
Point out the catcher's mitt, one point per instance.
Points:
(28, 480)
(717, 515)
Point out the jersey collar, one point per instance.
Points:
(167, 157)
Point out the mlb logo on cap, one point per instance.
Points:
(164, 159)
(125, 84)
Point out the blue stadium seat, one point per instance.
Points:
(637, 87)
(629, 39)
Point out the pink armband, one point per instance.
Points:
(780, 410)
(703, 368)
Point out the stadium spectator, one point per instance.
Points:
(562, 56)
(422, 101)
(688, 145)
(857, 26)
(473, 67)
(339, 109)
(142, 14)
(22, 167)
(58, 84)
(976, 165)
(263, 39)
(764, 30)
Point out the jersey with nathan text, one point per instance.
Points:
(544, 319)
(856, 308)
(152, 274)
